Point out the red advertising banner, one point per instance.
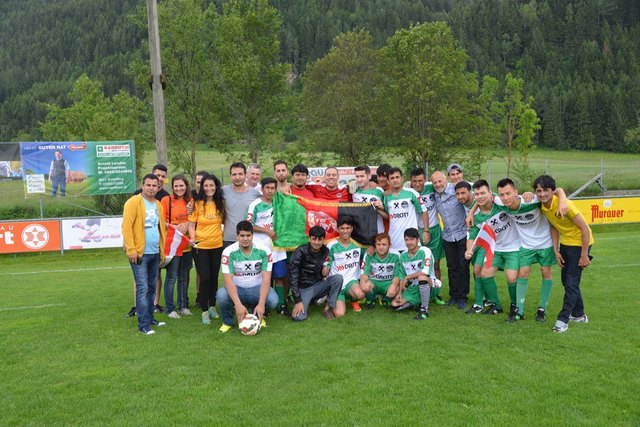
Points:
(29, 236)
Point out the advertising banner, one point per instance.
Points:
(91, 233)
(612, 210)
(29, 236)
(10, 164)
(346, 174)
(78, 168)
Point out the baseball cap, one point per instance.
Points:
(454, 166)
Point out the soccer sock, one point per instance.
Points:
(478, 288)
(511, 287)
(545, 292)
(522, 286)
(370, 296)
(280, 291)
(491, 288)
(425, 292)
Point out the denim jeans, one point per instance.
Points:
(177, 269)
(145, 275)
(571, 275)
(330, 287)
(58, 181)
(249, 298)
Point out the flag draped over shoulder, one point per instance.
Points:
(293, 217)
(486, 239)
(175, 243)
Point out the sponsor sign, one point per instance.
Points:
(92, 233)
(612, 210)
(346, 174)
(10, 164)
(29, 236)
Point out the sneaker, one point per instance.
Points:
(328, 314)
(486, 303)
(263, 323)
(541, 315)
(422, 315)
(213, 314)
(580, 319)
(438, 300)
(185, 312)
(512, 309)
(158, 308)
(515, 317)
(205, 318)
(154, 322)
(320, 301)
(475, 309)
(131, 312)
(173, 315)
(452, 301)
(560, 327)
(406, 306)
(284, 310)
(356, 307)
(492, 309)
(462, 304)
(225, 328)
(147, 331)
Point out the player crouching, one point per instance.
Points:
(380, 271)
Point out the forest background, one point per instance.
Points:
(430, 80)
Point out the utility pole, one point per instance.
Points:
(156, 86)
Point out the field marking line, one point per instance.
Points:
(622, 265)
(70, 270)
(31, 307)
(616, 238)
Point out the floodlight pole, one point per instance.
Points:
(156, 86)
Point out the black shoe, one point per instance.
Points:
(158, 308)
(541, 315)
(492, 309)
(406, 306)
(282, 309)
(515, 318)
(452, 301)
(462, 304)
(475, 309)
(131, 312)
(370, 305)
(422, 315)
(512, 309)
(486, 302)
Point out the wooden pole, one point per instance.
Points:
(156, 72)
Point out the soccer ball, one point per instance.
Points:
(437, 283)
(249, 325)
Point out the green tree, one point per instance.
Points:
(339, 99)
(429, 95)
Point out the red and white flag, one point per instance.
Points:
(175, 243)
(486, 239)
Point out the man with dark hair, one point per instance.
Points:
(572, 241)
(416, 276)
(454, 236)
(382, 176)
(299, 177)
(365, 193)
(59, 174)
(237, 198)
(344, 260)
(281, 172)
(309, 277)
(246, 273)
(143, 233)
(454, 171)
(330, 190)
(464, 195)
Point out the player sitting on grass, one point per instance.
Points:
(344, 260)
(379, 276)
(246, 273)
(506, 252)
(416, 273)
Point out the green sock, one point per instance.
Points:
(491, 288)
(478, 288)
(370, 296)
(280, 292)
(511, 287)
(545, 292)
(522, 286)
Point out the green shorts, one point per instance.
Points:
(342, 296)
(545, 257)
(506, 260)
(381, 287)
(478, 256)
(412, 294)
(435, 244)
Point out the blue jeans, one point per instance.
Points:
(249, 298)
(571, 275)
(58, 181)
(178, 269)
(145, 275)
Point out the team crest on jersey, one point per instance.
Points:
(389, 268)
(529, 216)
(503, 216)
(404, 204)
(258, 266)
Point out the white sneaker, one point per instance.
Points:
(581, 319)
(174, 315)
(560, 327)
(147, 331)
(213, 314)
(320, 301)
(205, 318)
(185, 312)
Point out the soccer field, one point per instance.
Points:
(68, 357)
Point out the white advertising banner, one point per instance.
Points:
(346, 174)
(92, 233)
